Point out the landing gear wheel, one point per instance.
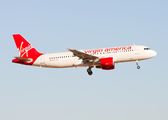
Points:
(138, 67)
(89, 71)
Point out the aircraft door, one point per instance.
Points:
(136, 50)
(42, 60)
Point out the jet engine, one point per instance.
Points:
(106, 63)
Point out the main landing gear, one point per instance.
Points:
(89, 71)
(138, 67)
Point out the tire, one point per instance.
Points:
(138, 67)
(89, 71)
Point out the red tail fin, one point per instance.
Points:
(26, 50)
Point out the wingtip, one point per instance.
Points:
(68, 49)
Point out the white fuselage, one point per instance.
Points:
(119, 54)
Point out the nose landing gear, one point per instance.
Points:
(138, 67)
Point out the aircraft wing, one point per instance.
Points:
(85, 57)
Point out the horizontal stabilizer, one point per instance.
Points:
(23, 59)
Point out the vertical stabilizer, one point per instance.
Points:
(25, 49)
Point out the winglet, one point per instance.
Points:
(68, 49)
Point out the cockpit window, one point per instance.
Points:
(147, 49)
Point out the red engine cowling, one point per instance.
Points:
(107, 63)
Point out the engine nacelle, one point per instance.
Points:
(107, 63)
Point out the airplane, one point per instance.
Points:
(103, 58)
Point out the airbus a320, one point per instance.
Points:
(103, 58)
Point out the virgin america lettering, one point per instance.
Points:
(108, 49)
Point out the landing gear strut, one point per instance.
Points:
(138, 67)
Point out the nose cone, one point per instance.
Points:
(153, 53)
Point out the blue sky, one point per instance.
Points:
(70, 94)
